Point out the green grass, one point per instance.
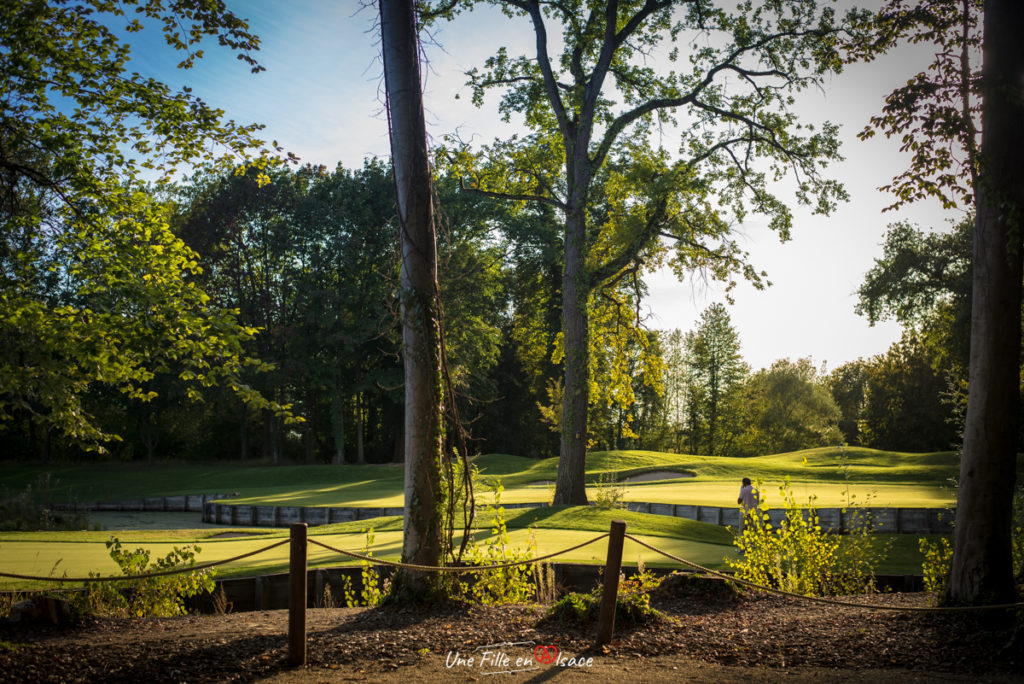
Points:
(832, 475)
(74, 554)
(901, 479)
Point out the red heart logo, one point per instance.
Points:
(545, 655)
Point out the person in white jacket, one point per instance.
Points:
(748, 499)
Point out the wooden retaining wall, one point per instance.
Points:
(886, 520)
(185, 503)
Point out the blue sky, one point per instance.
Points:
(320, 98)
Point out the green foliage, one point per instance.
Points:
(783, 408)
(905, 407)
(151, 597)
(938, 559)
(632, 603)
(98, 292)
(797, 556)
(372, 590)
(512, 584)
(937, 113)
(32, 509)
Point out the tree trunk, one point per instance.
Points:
(570, 484)
(243, 434)
(982, 570)
(360, 425)
(311, 426)
(338, 424)
(424, 505)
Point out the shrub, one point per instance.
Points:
(151, 597)
(632, 603)
(512, 584)
(799, 557)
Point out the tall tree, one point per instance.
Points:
(937, 115)
(718, 366)
(592, 156)
(785, 408)
(982, 559)
(94, 287)
(421, 334)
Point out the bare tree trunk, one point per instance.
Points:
(424, 505)
(982, 568)
(570, 483)
(311, 427)
(360, 425)
(338, 424)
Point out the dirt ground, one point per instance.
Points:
(708, 633)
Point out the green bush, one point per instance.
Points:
(512, 584)
(632, 603)
(151, 597)
(799, 557)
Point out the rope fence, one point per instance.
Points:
(821, 599)
(147, 575)
(457, 568)
(298, 600)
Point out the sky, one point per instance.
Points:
(321, 98)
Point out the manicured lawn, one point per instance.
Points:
(899, 479)
(75, 554)
(832, 475)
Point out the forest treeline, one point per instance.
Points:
(306, 259)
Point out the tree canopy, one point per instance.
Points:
(94, 287)
(628, 202)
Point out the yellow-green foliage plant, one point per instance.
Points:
(609, 494)
(512, 584)
(799, 557)
(151, 597)
(938, 559)
(373, 590)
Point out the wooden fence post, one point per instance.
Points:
(297, 597)
(612, 568)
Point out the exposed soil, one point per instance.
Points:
(709, 634)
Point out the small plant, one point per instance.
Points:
(512, 584)
(610, 494)
(373, 590)
(1018, 532)
(327, 600)
(938, 559)
(151, 597)
(799, 557)
(544, 574)
(221, 605)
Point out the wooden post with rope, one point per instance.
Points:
(610, 591)
(297, 595)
